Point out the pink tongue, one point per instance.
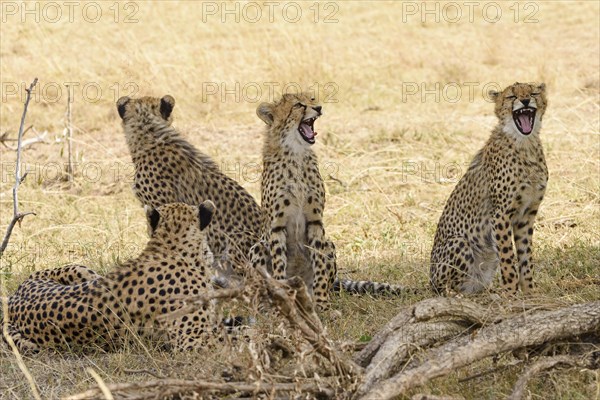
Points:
(525, 123)
(308, 132)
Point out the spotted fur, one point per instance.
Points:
(496, 202)
(73, 307)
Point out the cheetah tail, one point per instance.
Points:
(370, 287)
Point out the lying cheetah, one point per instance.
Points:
(169, 169)
(73, 307)
(293, 198)
(496, 201)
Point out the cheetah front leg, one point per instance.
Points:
(277, 238)
(318, 247)
(330, 262)
(503, 235)
(523, 230)
(260, 256)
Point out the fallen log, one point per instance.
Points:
(510, 333)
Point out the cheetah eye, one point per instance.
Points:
(312, 99)
(535, 94)
(299, 105)
(511, 97)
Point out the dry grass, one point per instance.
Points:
(395, 157)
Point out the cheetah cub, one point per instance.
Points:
(495, 202)
(293, 198)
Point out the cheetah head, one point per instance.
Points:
(180, 230)
(520, 107)
(146, 108)
(291, 120)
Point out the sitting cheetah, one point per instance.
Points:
(168, 169)
(293, 240)
(73, 307)
(496, 201)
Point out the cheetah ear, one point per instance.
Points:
(207, 209)
(265, 112)
(121, 105)
(167, 103)
(493, 95)
(153, 217)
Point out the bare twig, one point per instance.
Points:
(17, 216)
(38, 139)
(25, 143)
(4, 137)
(548, 363)
(69, 131)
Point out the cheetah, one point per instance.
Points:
(168, 169)
(293, 240)
(75, 308)
(495, 202)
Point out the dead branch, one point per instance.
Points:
(452, 307)
(423, 311)
(17, 216)
(25, 143)
(398, 349)
(69, 134)
(148, 390)
(300, 313)
(38, 139)
(522, 330)
(589, 361)
(292, 300)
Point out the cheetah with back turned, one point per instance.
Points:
(496, 201)
(169, 169)
(73, 307)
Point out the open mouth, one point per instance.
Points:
(306, 129)
(524, 119)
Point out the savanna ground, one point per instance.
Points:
(404, 111)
